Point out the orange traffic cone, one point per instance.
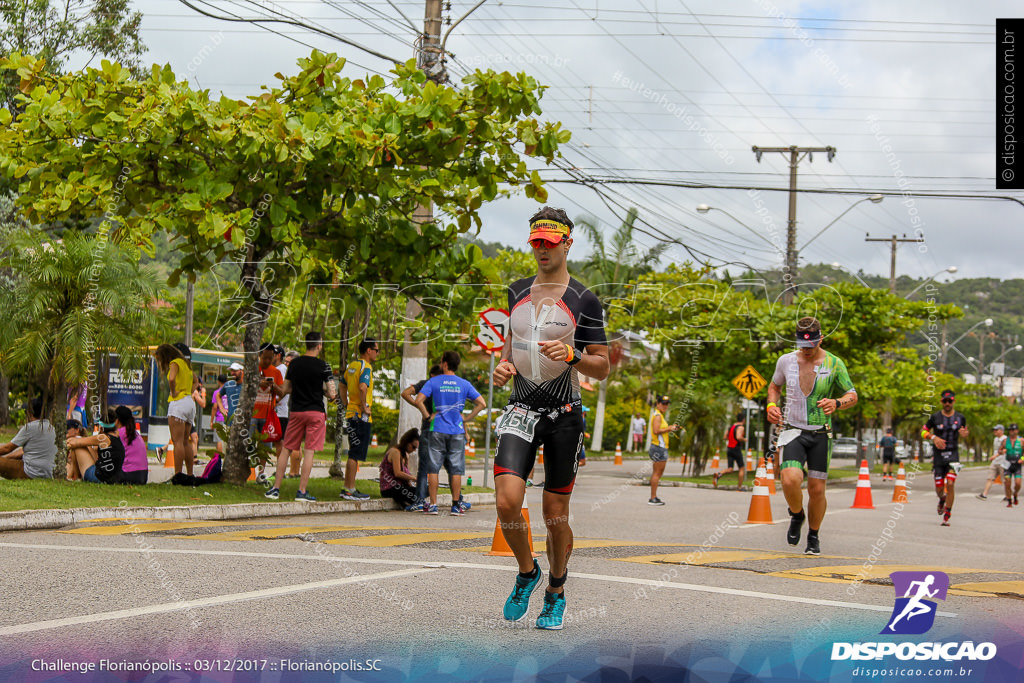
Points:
(252, 474)
(373, 441)
(770, 471)
(998, 479)
(169, 459)
(540, 455)
(500, 547)
(750, 461)
(862, 499)
(618, 453)
(899, 493)
(684, 459)
(471, 449)
(760, 503)
(715, 462)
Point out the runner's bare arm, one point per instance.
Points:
(831, 405)
(774, 396)
(593, 363)
(504, 370)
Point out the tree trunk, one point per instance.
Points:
(254, 320)
(5, 404)
(56, 413)
(602, 394)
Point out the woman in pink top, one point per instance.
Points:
(136, 463)
(396, 481)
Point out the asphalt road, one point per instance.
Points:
(652, 591)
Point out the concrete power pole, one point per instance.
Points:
(414, 355)
(894, 241)
(796, 155)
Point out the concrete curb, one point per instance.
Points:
(29, 520)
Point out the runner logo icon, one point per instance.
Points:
(913, 612)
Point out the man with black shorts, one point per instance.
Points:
(735, 439)
(812, 376)
(1012, 450)
(358, 381)
(946, 427)
(888, 446)
(556, 332)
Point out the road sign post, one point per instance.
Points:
(491, 338)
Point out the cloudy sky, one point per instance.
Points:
(678, 92)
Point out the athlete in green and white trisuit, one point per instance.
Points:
(812, 377)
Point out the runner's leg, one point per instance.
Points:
(559, 539)
(510, 491)
(816, 503)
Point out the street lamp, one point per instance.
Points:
(874, 199)
(987, 322)
(704, 208)
(839, 266)
(951, 269)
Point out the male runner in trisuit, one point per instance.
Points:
(556, 331)
(735, 439)
(1012, 450)
(946, 427)
(811, 376)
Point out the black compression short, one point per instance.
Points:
(562, 439)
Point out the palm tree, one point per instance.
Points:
(608, 270)
(69, 302)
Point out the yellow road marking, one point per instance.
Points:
(989, 588)
(708, 557)
(407, 539)
(847, 573)
(261, 534)
(129, 526)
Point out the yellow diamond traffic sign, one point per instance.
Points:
(749, 382)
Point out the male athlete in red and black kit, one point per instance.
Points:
(556, 331)
(946, 427)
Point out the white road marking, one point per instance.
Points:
(201, 602)
(420, 566)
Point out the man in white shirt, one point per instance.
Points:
(637, 432)
(998, 460)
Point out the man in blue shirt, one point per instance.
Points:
(448, 427)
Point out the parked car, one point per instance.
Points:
(845, 447)
(901, 450)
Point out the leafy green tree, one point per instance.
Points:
(610, 267)
(54, 30)
(70, 302)
(319, 176)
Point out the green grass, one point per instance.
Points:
(39, 494)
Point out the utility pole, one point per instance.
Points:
(894, 241)
(796, 155)
(414, 354)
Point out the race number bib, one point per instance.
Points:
(519, 422)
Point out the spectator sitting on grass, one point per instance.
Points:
(74, 428)
(30, 454)
(136, 463)
(104, 465)
(396, 481)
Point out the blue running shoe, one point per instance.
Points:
(457, 510)
(464, 504)
(272, 494)
(550, 618)
(429, 509)
(415, 507)
(305, 497)
(519, 601)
